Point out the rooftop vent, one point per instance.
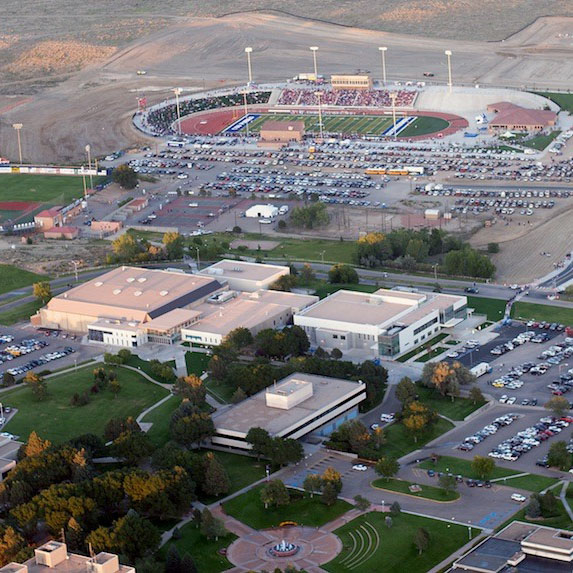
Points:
(117, 291)
(141, 279)
(164, 293)
(98, 283)
(137, 293)
(130, 279)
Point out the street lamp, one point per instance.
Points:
(197, 249)
(449, 55)
(383, 50)
(314, 49)
(246, 111)
(18, 127)
(177, 92)
(249, 51)
(393, 97)
(89, 151)
(318, 95)
(469, 530)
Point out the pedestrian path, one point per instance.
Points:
(563, 498)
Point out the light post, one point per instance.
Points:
(249, 51)
(75, 263)
(177, 92)
(449, 55)
(84, 180)
(197, 249)
(322, 255)
(393, 97)
(246, 111)
(314, 49)
(89, 152)
(470, 530)
(383, 50)
(318, 95)
(18, 127)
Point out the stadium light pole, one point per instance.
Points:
(177, 92)
(314, 49)
(449, 55)
(393, 97)
(246, 110)
(383, 50)
(318, 94)
(89, 152)
(18, 127)
(249, 51)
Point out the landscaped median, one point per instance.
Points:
(426, 491)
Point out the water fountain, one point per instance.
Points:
(284, 549)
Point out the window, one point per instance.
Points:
(335, 336)
(342, 337)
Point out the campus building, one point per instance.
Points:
(282, 132)
(511, 117)
(523, 547)
(384, 323)
(298, 405)
(243, 276)
(351, 82)
(54, 556)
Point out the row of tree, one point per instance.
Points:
(280, 451)
(128, 248)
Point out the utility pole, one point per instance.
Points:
(18, 127)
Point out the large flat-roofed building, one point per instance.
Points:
(126, 295)
(351, 82)
(225, 311)
(296, 406)
(384, 323)
(523, 547)
(244, 276)
(54, 556)
(274, 131)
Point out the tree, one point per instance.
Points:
(216, 481)
(187, 564)
(329, 494)
(124, 176)
(362, 504)
(312, 484)
(189, 425)
(274, 493)
(483, 466)
(307, 275)
(191, 388)
(395, 509)
(310, 216)
(387, 467)
(283, 451)
(493, 247)
(8, 379)
(558, 456)
(332, 476)
(448, 483)
(422, 539)
(388, 521)
(534, 507)
(476, 395)
(126, 247)
(173, 560)
(43, 291)
(284, 283)
(124, 354)
(117, 426)
(11, 543)
(342, 274)
(174, 245)
(405, 390)
(416, 417)
(558, 405)
(34, 446)
(238, 396)
(115, 387)
(211, 527)
(135, 537)
(132, 447)
(260, 441)
(239, 337)
(37, 384)
(336, 353)
(373, 249)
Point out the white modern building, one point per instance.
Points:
(244, 276)
(298, 405)
(384, 323)
(262, 211)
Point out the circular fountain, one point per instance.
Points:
(284, 549)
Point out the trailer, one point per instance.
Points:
(481, 369)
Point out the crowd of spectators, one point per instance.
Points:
(347, 98)
(160, 119)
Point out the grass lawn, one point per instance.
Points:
(532, 482)
(14, 277)
(160, 417)
(20, 313)
(540, 142)
(204, 551)
(456, 410)
(493, 308)
(56, 189)
(560, 521)
(242, 471)
(399, 441)
(143, 365)
(420, 348)
(424, 125)
(428, 491)
(432, 354)
(196, 362)
(545, 312)
(368, 545)
(57, 421)
(221, 391)
(564, 101)
(303, 509)
(462, 467)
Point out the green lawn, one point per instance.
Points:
(428, 491)
(545, 312)
(14, 277)
(303, 509)
(462, 467)
(57, 421)
(399, 441)
(563, 100)
(424, 125)
(369, 545)
(532, 482)
(541, 141)
(432, 354)
(20, 313)
(560, 521)
(221, 391)
(421, 347)
(493, 308)
(205, 553)
(456, 410)
(143, 365)
(160, 417)
(196, 362)
(55, 189)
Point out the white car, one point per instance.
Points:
(511, 401)
(387, 417)
(518, 497)
(359, 468)
(503, 399)
(7, 435)
(374, 426)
